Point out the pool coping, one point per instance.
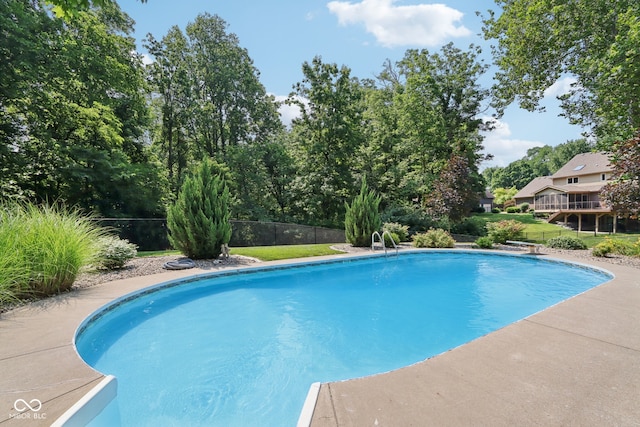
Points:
(35, 336)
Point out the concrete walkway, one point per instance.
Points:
(574, 364)
(577, 363)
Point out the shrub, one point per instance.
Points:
(509, 203)
(400, 231)
(434, 238)
(484, 242)
(566, 242)
(524, 207)
(362, 218)
(387, 241)
(412, 216)
(198, 222)
(602, 249)
(615, 246)
(44, 249)
(115, 252)
(472, 226)
(513, 209)
(495, 210)
(502, 231)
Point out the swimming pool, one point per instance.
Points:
(241, 349)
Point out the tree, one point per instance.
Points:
(207, 97)
(72, 110)
(362, 218)
(69, 8)
(456, 191)
(562, 153)
(517, 174)
(198, 222)
(438, 101)
(326, 138)
(231, 105)
(169, 75)
(501, 195)
(595, 42)
(623, 193)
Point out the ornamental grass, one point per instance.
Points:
(43, 249)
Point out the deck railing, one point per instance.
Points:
(555, 206)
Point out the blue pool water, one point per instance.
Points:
(243, 349)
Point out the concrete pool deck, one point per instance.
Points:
(576, 363)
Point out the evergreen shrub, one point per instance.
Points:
(198, 221)
(362, 218)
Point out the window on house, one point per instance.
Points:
(604, 177)
(572, 180)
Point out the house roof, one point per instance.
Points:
(585, 164)
(592, 187)
(534, 186)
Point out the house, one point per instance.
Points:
(486, 202)
(572, 194)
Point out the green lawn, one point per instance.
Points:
(539, 230)
(269, 253)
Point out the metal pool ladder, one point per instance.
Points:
(381, 239)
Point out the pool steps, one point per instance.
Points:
(381, 240)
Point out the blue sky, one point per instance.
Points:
(361, 34)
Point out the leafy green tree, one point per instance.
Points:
(326, 138)
(562, 153)
(263, 172)
(198, 221)
(231, 105)
(501, 195)
(362, 217)
(428, 112)
(381, 156)
(170, 77)
(540, 42)
(70, 8)
(517, 174)
(73, 129)
(211, 103)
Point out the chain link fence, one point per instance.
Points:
(150, 234)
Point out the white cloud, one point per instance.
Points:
(560, 87)
(146, 59)
(504, 149)
(415, 25)
(287, 112)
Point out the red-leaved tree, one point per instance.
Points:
(623, 193)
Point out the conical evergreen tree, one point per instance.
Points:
(362, 217)
(198, 222)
